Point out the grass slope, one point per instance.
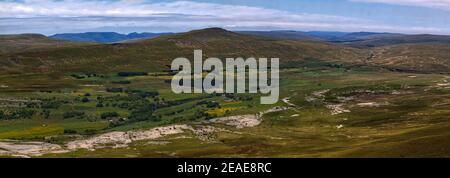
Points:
(30, 42)
(155, 54)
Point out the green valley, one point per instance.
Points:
(115, 100)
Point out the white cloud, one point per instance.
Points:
(139, 8)
(440, 4)
(50, 16)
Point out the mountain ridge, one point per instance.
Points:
(31, 42)
(353, 39)
(155, 54)
(356, 39)
(104, 37)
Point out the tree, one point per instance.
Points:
(71, 114)
(85, 100)
(46, 114)
(99, 105)
(109, 115)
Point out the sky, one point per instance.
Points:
(125, 16)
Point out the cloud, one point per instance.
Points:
(123, 8)
(57, 16)
(439, 4)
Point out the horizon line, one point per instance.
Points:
(174, 32)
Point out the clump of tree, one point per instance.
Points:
(77, 76)
(143, 94)
(51, 104)
(121, 82)
(17, 114)
(69, 131)
(73, 114)
(209, 104)
(45, 114)
(31, 104)
(99, 105)
(129, 74)
(85, 100)
(115, 90)
(143, 112)
(107, 115)
(239, 97)
(87, 75)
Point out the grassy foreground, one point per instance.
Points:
(339, 112)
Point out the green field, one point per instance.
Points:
(387, 114)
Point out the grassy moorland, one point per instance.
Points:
(340, 101)
(340, 114)
(32, 42)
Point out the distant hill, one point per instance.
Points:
(104, 37)
(155, 54)
(326, 35)
(297, 35)
(355, 39)
(428, 58)
(329, 36)
(386, 40)
(29, 42)
(357, 36)
(284, 35)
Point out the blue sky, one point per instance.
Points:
(125, 16)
